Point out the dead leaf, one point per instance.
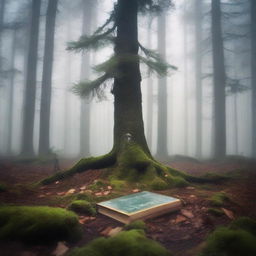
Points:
(57, 182)
(61, 193)
(106, 231)
(98, 194)
(60, 249)
(41, 196)
(83, 188)
(228, 213)
(109, 187)
(180, 219)
(135, 190)
(105, 193)
(71, 191)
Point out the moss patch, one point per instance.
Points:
(38, 224)
(127, 243)
(82, 207)
(215, 212)
(218, 199)
(138, 224)
(245, 223)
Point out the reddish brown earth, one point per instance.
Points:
(181, 232)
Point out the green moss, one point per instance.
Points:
(218, 199)
(85, 196)
(215, 212)
(82, 207)
(127, 243)
(98, 184)
(245, 223)
(227, 242)
(38, 224)
(159, 184)
(138, 224)
(117, 184)
(3, 187)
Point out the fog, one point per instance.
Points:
(182, 99)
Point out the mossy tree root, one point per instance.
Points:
(81, 166)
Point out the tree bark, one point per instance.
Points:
(219, 80)
(88, 7)
(44, 136)
(127, 89)
(198, 76)
(2, 9)
(253, 74)
(30, 84)
(162, 136)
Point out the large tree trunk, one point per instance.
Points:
(219, 79)
(88, 7)
(162, 150)
(253, 74)
(11, 91)
(127, 90)
(30, 84)
(44, 136)
(198, 76)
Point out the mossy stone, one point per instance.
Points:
(138, 224)
(38, 224)
(82, 207)
(126, 243)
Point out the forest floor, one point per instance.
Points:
(182, 232)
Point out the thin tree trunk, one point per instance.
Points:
(127, 90)
(30, 85)
(253, 74)
(88, 6)
(11, 91)
(149, 94)
(198, 76)
(2, 9)
(44, 139)
(235, 124)
(219, 79)
(186, 93)
(162, 150)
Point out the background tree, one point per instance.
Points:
(44, 137)
(30, 84)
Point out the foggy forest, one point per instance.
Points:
(127, 127)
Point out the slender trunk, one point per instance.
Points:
(44, 139)
(253, 74)
(127, 90)
(162, 150)
(235, 123)
(2, 9)
(30, 84)
(11, 91)
(186, 93)
(149, 95)
(219, 79)
(198, 76)
(85, 73)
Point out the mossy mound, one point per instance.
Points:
(85, 196)
(218, 199)
(138, 224)
(38, 224)
(126, 243)
(215, 212)
(237, 240)
(82, 207)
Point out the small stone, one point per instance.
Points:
(57, 182)
(136, 190)
(84, 220)
(41, 196)
(48, 193)
(192, 196)
(190, 188)
(114, 231)
(106, 231)
(198, 223)
(109, 188)
(98, 194)
(187, 213)
(60, 249)
(105, 193)
(83, 188)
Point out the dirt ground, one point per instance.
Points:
(182, 232)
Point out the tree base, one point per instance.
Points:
(131, 164)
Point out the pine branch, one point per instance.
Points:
(93, 88)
